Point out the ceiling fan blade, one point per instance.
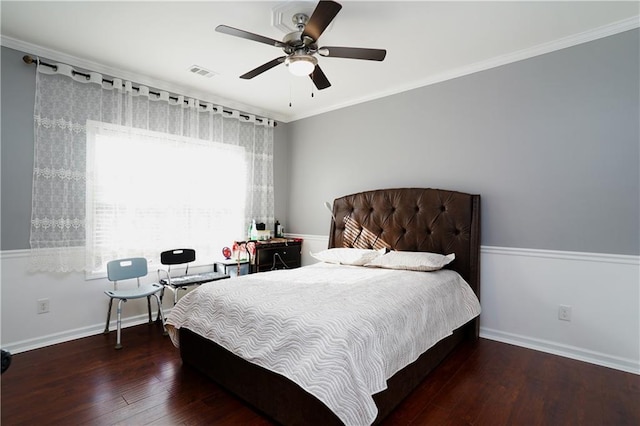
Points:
(353, 53)
(320, 19)
(262, 68)
(249, 36)
(319, 79)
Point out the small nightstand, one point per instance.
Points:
(277, 253)
(233, 267)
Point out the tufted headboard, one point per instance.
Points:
(416, 219)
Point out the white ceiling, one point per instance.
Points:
(155, 43)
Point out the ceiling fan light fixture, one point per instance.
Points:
(301, 65)
(301, 45)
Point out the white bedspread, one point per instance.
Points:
(337, 331)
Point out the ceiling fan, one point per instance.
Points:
(300, 46)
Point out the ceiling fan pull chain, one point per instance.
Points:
(312, 85)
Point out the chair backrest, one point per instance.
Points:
(124, 269)
(177, 256)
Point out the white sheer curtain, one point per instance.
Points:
(66, 100)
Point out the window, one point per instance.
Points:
(149, 191)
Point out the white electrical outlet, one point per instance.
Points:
(564, 313)
(43, 306)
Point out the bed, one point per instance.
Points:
(400, 220)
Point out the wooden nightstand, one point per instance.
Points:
(277, 253)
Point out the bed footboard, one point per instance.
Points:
(287, 403)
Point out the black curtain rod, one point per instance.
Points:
(30, 60)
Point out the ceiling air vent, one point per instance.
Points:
(198, 70)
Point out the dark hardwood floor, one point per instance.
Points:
(487, 383)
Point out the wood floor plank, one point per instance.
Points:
(86, 381)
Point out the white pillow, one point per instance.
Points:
(347, 256)
(412, 261)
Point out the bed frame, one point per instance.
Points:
(412, 219)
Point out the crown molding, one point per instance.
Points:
(520, 55)
(541, 49)
(54, 55)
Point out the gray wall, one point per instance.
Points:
(551, 143)
(18, 96)
(281, 162)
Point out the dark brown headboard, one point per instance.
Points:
(418, 219)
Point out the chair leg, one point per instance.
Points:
(106, 327)
(149, 308)
(161, 297)
(119, 323)
(175, 295)
(161, 315)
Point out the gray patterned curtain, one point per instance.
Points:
(66, 100)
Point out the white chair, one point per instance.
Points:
(124, 269)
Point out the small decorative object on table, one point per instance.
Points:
(226, 252)
(262, 234)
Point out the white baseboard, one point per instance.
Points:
(78, 333)
(567, 351)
